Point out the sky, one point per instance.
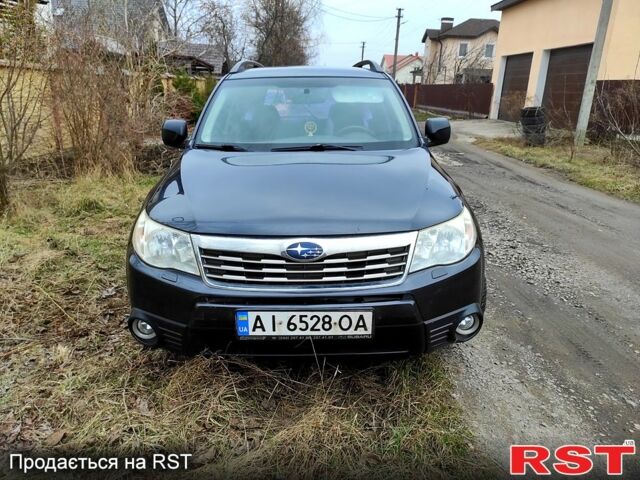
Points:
(343, 25)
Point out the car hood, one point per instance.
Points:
(303, 193)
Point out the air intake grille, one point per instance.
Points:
(343, 268)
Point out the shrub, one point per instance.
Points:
(106, 87)
(189, 97)
(22, 90)
(616, 119)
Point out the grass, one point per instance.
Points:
(422, 115)
(72, 379)
(592, 166)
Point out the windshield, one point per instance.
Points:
(273, 113)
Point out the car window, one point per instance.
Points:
(266, 113)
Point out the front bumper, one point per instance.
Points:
(411, 318)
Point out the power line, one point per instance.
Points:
(355, 19)
(413, 30)
(354, 13)
(339, 43)
(382, 32)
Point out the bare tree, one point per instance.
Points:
(142, 64)
(616, 117)
(452, 67)
(22, 90)
(184, 18)
(429, 71)
(108, 88)
(88, 92)
(224, 29)
(281, 30)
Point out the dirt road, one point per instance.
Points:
(559, 358)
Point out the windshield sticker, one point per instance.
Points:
(310, 128)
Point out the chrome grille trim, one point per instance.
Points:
(234, 268)
(349, 263)
(283, 261)
(371, 276)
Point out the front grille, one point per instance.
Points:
(342, 268)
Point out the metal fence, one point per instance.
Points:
(471, 99)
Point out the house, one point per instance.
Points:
(194, 58)
(120, 25)
(408, 67)
(6, 6)
(463, 53)
(544, 52)
(125, 26)
(20, 14)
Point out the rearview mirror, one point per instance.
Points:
(438, 131)
(174, 132)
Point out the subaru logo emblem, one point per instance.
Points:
(304, 251)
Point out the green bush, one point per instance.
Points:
(187, 87)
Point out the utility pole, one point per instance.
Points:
(592, 73)
(395, 51)
(362, 54)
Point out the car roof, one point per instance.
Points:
(270, 72)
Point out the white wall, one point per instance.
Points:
(404, 75)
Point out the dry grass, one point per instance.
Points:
(422, 115)
(592, 166)
(67, 364)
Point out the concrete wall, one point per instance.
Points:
(539, 26)
(622, 47)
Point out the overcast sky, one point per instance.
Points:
(344, 24)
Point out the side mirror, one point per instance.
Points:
(438, 131)
(174, 132)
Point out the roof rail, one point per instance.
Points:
(243, 65)
(373, 66)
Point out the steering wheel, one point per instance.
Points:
(354, 129)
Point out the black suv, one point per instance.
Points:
(305, 217)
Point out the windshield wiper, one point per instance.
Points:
(225, 147)
(318, 147)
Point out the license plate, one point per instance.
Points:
(342, 324)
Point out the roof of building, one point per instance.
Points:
(203, 52)
(431, 33)
(472, 28)
(505, 4)
(113, 11)
(402, 61)
(110, 20)
(13, 3)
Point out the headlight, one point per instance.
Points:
(163, 247)
(446, 243)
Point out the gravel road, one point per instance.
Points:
(558, 360)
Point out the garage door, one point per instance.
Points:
(514, 86)
(565, 84)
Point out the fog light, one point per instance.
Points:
(144, 332)
(468, 325)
